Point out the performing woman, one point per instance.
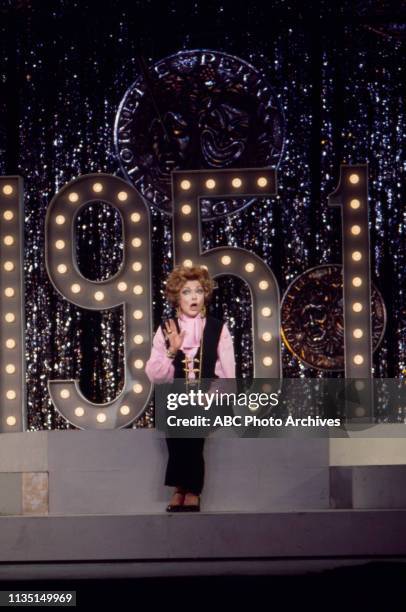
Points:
(191, 345)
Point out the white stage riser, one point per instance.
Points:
(122, 472)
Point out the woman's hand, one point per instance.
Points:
(171, 334)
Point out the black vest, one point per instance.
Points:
(211, 337)
(210, 340)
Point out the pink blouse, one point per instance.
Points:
(160, 369)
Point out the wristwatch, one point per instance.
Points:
(170, 354)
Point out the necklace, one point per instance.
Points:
(191, 382)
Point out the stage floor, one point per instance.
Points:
(153, 545)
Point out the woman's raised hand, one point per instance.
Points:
(171, 333)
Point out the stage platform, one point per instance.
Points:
(89, 504)
(197, 544)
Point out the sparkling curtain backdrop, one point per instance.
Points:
(338, 75)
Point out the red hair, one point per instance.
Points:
(180, 275)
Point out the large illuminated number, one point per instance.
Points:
(352, 196)
(12, 375)
(130, 287)
(188, 187)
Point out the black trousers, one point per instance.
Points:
(185, 466)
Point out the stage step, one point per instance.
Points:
(204, 536)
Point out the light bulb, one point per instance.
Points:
(73, 197)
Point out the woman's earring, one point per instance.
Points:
(177, 312)
(203, 311)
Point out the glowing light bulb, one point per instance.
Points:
(137, 266)
(188, 263)
(138, 363)
(75, 288)
(266, 311)
(267, 361)
(122, 196)
(263, 285)
(73, 197)
(10, 343)
(79, 412)
(357, 333)
(62, 269)
(60, 244)
(9, 292)
(357, 281)
(358, 359)
(138, 339)
(125, 409)
(60, 219)
(262, 181)
(249, 267)
(355, 230)
(185, 185)
(210, 184)
(8, 266)
(9, 317)
(65, 393)
(10, 368)
(138, 289)
(236, 182)
(186, 237)
(226, 260)
(357, 307)
(136, 242)
(354, 179)
(11, 394)
(137, 314)
(8, 240)
(97, 187)
(355, 203)
(101, 417)
(356, 256)
(99, 296)
(186, 209)
(11, 421)
(266, 336)
(8, 189)
(135, 217)
(8, 215)
(137, 388)
(122, 286)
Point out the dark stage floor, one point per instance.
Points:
(372, 586)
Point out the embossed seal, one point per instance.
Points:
(196, 110)
(313, 319)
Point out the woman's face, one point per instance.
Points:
(191, 298)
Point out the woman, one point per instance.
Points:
(177, 347)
